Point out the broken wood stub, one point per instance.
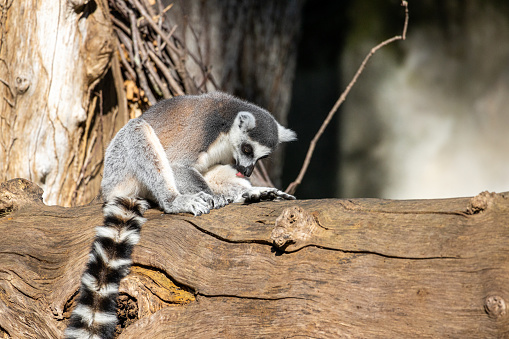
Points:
(294, 227)
(360, 268)
(480, 202)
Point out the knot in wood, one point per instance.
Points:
(21, 84)
(480, 202)
(293, 225)
(494, 305)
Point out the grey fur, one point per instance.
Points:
(186, 130)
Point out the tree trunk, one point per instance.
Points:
(363, 268)
(53, 55)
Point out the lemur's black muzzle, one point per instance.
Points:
(245, 171)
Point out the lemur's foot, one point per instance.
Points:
(197, 204)
(257, 194)
(220, 201)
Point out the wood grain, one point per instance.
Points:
(364, 268)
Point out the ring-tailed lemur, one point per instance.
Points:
(186, 154)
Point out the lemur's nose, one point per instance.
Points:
(246, 171)
(249, 170)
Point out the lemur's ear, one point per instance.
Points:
(245, 121)
(285, 134)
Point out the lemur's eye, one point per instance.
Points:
(247, 149)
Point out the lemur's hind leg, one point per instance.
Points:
(137, 153)
(190, 181)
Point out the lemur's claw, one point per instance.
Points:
(286, 196)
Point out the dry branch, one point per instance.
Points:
(150, 55)
(363, 268)
(293, 186)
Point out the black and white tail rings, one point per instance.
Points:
(110, 259)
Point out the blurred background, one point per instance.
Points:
(429, 116)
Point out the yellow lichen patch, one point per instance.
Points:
(161, 286)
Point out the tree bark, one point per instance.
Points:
(362, 268)
(52, 125)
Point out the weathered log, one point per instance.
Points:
(362, 268)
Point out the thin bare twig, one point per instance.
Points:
(151, 22)
(158, 85)
(139, 71)
(156, 60)
(293, 186)
(166, 72)
(156, 28)
(168, 36)
(120, 25)
(130, 71)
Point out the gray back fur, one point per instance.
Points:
(200, 120)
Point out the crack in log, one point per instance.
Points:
(316, 217)
(24, 293)
(282, 251)
(264, 222)
(57, 216)
(457, 213)
(357, 208)
(69, 305)
(249, 297)
(26, 255)
(9, 274)
(218, 237)
(4, 333)
(368, 252)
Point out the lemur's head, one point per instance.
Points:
(254, 136)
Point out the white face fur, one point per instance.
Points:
(234, 148)
(246, 151)
(237, 148)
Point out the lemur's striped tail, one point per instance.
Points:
(110, 259)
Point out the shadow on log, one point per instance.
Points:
(330, 268)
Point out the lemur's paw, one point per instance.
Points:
(197, 204)
(257, 194)
(220, 201)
